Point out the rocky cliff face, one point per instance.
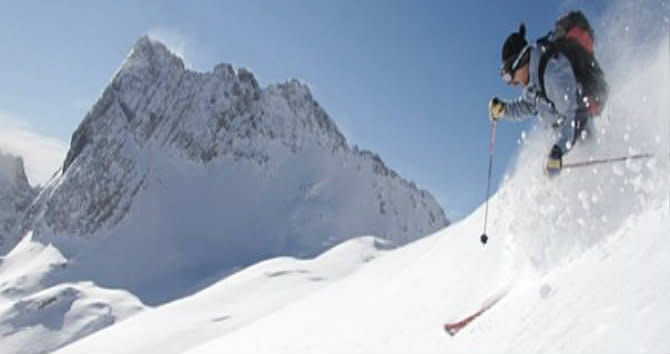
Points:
(16, 194)
(185, 163)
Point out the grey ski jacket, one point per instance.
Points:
(559, 109)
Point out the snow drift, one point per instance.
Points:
(39, 313)
(234, 302)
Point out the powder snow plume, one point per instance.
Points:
(552, 221)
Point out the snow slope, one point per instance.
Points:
(232, 303)
(38, 315)
(583, 258)
(612, 298)
(609, 300)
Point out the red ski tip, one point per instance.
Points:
(454, 327)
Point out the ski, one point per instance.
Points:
(454, 327)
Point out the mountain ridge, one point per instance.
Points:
(209, 172)
(235, 113)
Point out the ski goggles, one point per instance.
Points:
(510, 65)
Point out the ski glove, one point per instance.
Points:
(554, 162)
(496, 108)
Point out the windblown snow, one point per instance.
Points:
(582, 260)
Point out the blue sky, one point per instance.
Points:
(409, 80)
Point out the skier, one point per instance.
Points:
(552, 92)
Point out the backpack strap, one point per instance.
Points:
(549, 50)
(544, 59)
(547, 47)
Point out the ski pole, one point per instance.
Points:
(485, 238)
(602, 161)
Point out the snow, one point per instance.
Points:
(177, 179)
(189, 176)
(15, 196)
(612, 299)
(37, 315)
(27, 263)
(608, 300)
(234, 302)
(239, 213)
(583, 261)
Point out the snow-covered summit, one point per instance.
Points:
(15, 197)
(148, 54)
(11, 169)
(209, 171)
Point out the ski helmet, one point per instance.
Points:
(514, 53)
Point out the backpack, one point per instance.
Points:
(574, 38)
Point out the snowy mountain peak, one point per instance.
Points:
(154, 105)
(152, 54)
(12, 171)
(215, 172)
(15, 196)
